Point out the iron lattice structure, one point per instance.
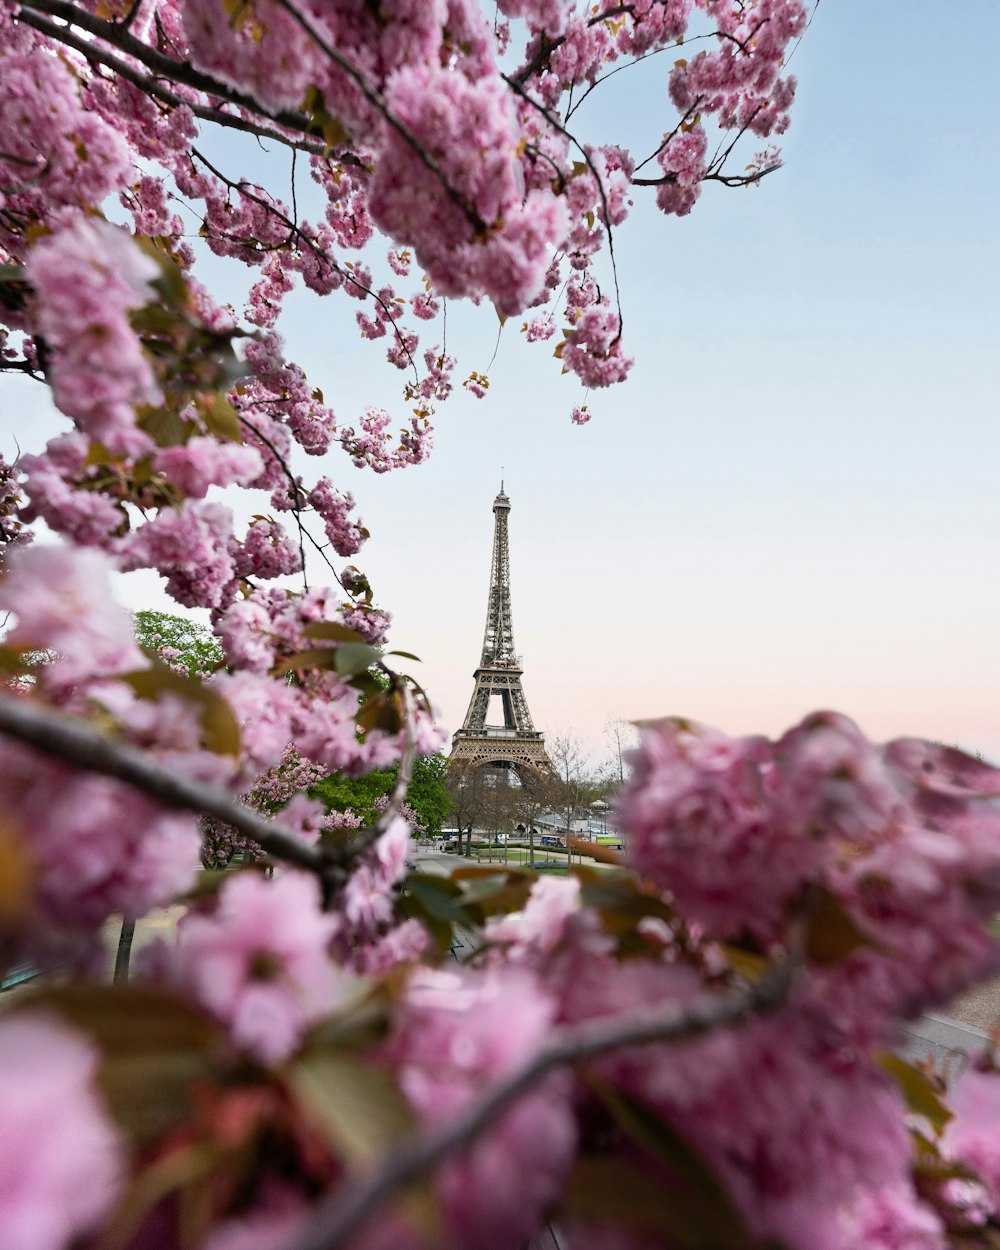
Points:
(515, 744)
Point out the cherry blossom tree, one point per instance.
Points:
(691, 1049)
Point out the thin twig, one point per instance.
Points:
(162, 65)
(296, 509)
(355, 1201)
(94, 53)
(638, 182)
(727, 180)
(295, 233)
(376, 100)
(556, 125)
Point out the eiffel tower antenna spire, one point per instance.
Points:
(516, 743)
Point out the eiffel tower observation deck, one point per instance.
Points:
(516, 744)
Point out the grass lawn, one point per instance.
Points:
(519, 857)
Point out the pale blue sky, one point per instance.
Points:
(795, 501)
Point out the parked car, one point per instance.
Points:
(548, 840)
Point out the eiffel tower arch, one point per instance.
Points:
(516, 744)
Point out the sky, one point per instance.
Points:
(794, 502)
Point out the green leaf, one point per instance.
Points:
(18, 870)
(922, 1098)
(366, 683)
(597, 851)
(493, 890)
(355, 1105)
(406, 655)
(312, 657)
(348, 659)
(440, 930)
(355, 657)
(155, 1049)
(10, 272)
(363, 1117)
(129, 1019)
(436, 901)
(683, 1198)
(381, 711)
(322, 122)
(617, 895)
(220, 417)
(220, 730)
(832, 934)
(612, 1189)
(748, 964)
(164, 426)
(171, 285)
(481, 888)
(360, 1022)
(13, 661)
(438, 895)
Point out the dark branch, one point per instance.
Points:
(376, 100)
(727, 180)
(151, 86)
(74, 742)
(348, 1207)
(556, 125)
(117, 35)
(296, 233)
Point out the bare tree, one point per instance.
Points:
(468, 787)
(623, 737)
(536, 794)
(574, 787)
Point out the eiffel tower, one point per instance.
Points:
(516, 744)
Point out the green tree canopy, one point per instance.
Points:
(197, 649)
(427, 795)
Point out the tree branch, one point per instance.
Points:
(357, 1199)
(74, 742)
(94, 53)
(727, 180)
(297, 234)
(376, 100)
(516, 87)
(117, 35)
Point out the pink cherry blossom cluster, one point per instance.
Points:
(59, 153)
(12, 528)
(61, 1173)
(888, 832)
(593, 348)
(87, 277)
(257, 961)
(369, 446)
(683, 161)
(456, 1033)
(821, 1156)
(280, 789)
(433, 137)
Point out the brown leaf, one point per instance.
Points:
(596, 850)
(831, 934)
(220, 730)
